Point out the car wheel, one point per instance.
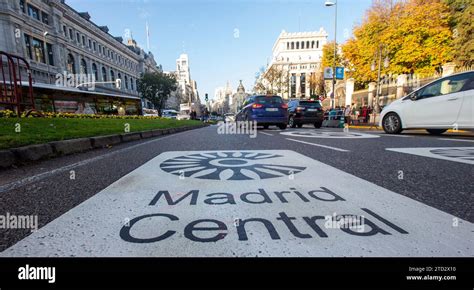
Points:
(436, 131)
(392, 124)
(282, 127)
(318, 125)
(265, 126)
(291, 122)
(300, 125)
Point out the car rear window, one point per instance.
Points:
(269, 100)
(310, 104)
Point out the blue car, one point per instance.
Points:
(266, 110)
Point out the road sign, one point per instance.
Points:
(247, 203)
(339, 73)
(328, 73)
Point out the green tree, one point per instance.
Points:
(328, 56)
(157, 87)
(414, 34)
(460, 21)
(274, 80)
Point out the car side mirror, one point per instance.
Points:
(414, 96)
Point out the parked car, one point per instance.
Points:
(229, 117)
(266, 110)
(150, 112)
(302, 112)
(438, 106)
(170, 114)
(181, 116)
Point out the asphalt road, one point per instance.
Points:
(357, 163)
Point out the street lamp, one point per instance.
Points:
(329, 4)
(386, 62)
(45, 52)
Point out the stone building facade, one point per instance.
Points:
(298, 55)
(56, 39)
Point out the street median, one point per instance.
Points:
(32, 153)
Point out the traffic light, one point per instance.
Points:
(206, 98)
(118, 84)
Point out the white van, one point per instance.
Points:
(447, 103)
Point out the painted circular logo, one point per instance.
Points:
(329, 135)
(229, 166)
(465, 153)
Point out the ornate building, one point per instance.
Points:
(238, 98)
(57, 39)
(297, 55)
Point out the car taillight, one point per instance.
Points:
(300, 108)
(257, 106)
(284, 106)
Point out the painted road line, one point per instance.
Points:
(391, 135)
(329, 134)
(247, 203)
(265, 133)
(35, 178)
(319, 145)
(460, 140)
(456, 154)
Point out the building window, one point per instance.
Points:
(38, 51)
(94, 46)
(297, 45)
(65, 30)
(303, 84)
(307, 44)
(22, 6)
(71, 64)
(293, 85)
(131, 84)
(83, 67)
(90, 43)
(95, 72)
(312, 44)
(302, 45)
(33, 12)
(45, 18)
(49, 50)
(292, 45)
(28, 45)
(83, 40)
(78, 37)
(104, 74)
(112, 75)
(126, 82)
(71, 35)
(119, 76)
(317, 44)
(287, 46)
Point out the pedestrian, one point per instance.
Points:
(347, 114)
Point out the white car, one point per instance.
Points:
(228, 118)
(447, 103)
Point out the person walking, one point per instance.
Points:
(347, 114)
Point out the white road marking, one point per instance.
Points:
(152, 212)
(329, 134)
(457, 154)
(35, 178)
(265, 133)
(460, 140)
(319, 145)
(392, 135)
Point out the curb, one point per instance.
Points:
(31, 153)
